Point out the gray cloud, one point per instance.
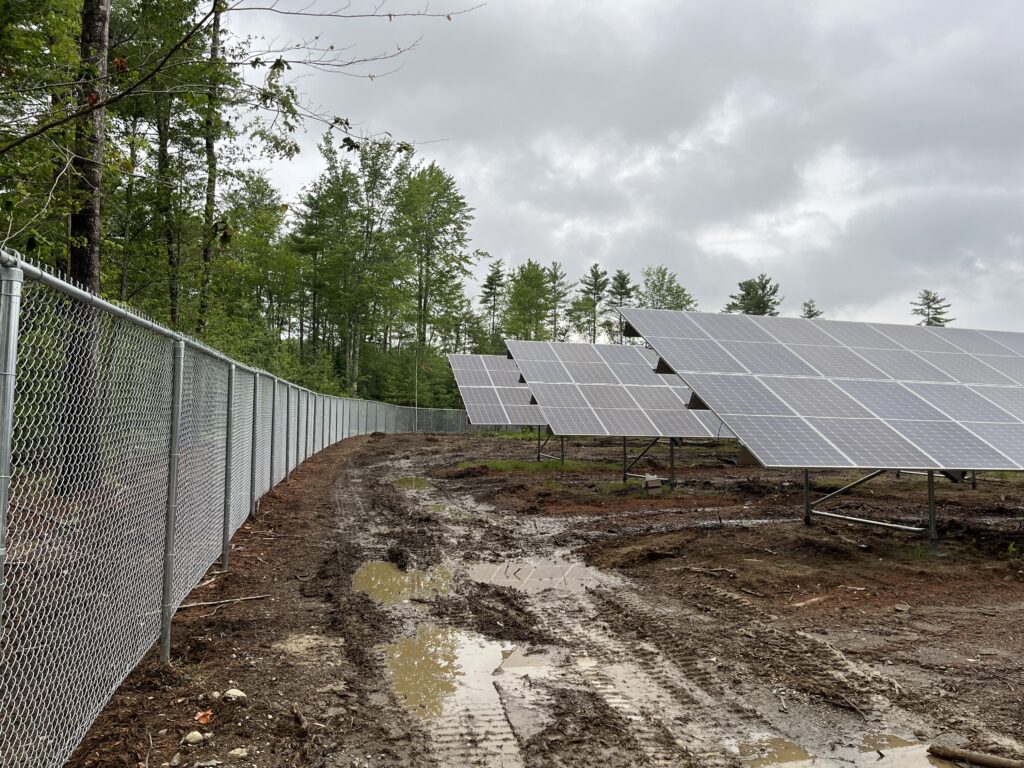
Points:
(856, 151)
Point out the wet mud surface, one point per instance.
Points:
(429, 601)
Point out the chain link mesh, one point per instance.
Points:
(81, 588)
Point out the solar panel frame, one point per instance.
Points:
(606, 388)
(932, 389)
(491, 392)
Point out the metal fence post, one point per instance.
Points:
(11, 279)
(229, 452)
(287, 431)
(255, 433)
(170, 519)
(273, 431)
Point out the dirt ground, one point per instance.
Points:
(429, 601)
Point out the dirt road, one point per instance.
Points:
(429, 602)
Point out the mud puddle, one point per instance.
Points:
(385, 583)
(879, 750)
(448, 677)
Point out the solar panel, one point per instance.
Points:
(491, 391)
(868, 395)
(609, 389)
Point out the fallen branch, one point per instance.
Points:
(221, 602)
(978, 758)
(300, 718)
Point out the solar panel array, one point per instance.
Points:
(825, 393)
(608, 389)
(492, 391)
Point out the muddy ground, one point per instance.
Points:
(429, 601)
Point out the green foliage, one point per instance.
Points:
(553, 465)
(660, 289)
(590, 303)
(756, 296)
(809, 310)
(931, 308)
(529, 303)
(559, 289)
(621, 291)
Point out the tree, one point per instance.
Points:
(528, 303)
(590, 303)
(559, 289)
(621, 291)
(492, 291)
(660, 289)
(757, 296)
(809, 310)
(931, 308)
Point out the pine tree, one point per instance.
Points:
(559, 289)
(660, 289)
(931, 308)
(589, 304)
(757, 296)
(621, 291)
(809, 310)
(528, 303)
(492, 290)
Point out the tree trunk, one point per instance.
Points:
(164, 203)
(85, 225)
(210, 129)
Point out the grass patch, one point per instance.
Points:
(1013, 477)
(412, 483)
(523, 435)
(518, 465)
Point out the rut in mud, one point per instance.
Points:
(428, 609)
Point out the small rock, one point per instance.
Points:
(901, 607)
(213, 761)
(208, 736)
(235, 694)
(215, 695)
(177, 760)
(192, 738)
(162, 732)
(239, 752)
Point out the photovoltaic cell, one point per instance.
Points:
(1010, 399)
(663, 398)
(725, 327)
(1009, 339)
(838, 362)
(490, 390)
(816, 397)
(915, 337)
(951, 445)
(543, 370)
(968, 369)
(712, 424)
(960, 403)
(1011, 367)
(786, 441)
(973, 342)
(597, 373)
(696, 355)
(872, 444)
(1008, 437)
(859, 335)
(903, 365)
(599, 396)
(758, 357)
(794, 330)
(890, 400)
(736, 394)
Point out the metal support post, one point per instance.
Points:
(974, 479)
(538, 443)
(255, 452)
(807, 497)
(229, 451)
(625, 460)
(323, 422)
(671, 463)
(171, 515)
(933, 536)
(287, 431)
(561, 441)
(273, 431)
(11, 279)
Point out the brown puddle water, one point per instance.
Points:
(773, 751)
(537, 574)
(385, 583)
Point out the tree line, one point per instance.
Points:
(129, 131)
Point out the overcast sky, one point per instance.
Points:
(855, 151)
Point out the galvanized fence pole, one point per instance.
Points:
(273, 431)
(255, 446)
(287, 432)
(171, 516)
(11, 279)
(229, 453)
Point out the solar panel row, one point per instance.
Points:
(492, 392)
(825, 393)
(609, 389)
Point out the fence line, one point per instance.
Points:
(129, 456)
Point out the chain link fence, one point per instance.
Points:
(128, 457)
